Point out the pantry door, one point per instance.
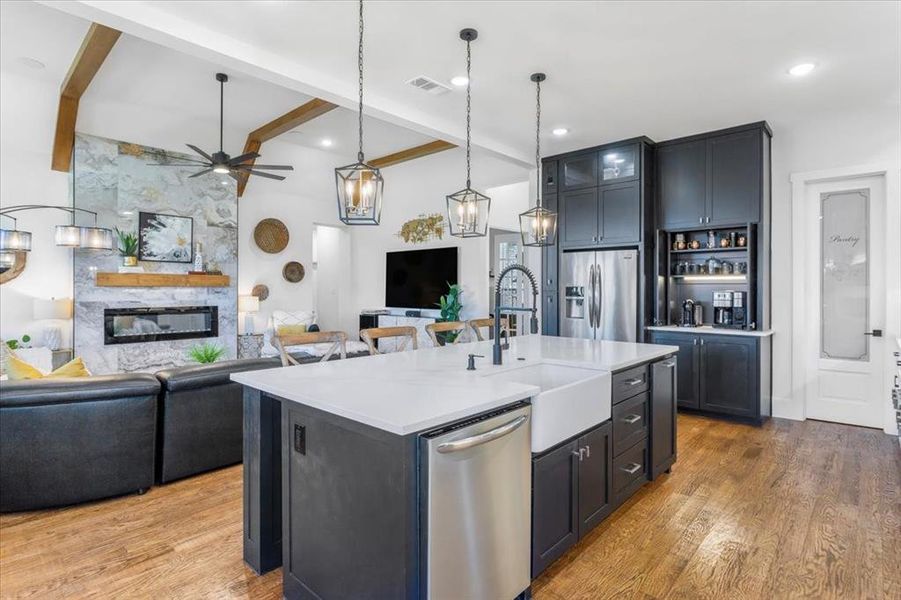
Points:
(845, 299)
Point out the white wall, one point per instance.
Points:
(27, 120)
(419, 187)
(812, 143)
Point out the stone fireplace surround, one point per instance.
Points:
(116, 180)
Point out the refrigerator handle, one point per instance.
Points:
(592, 280)
(597, 294)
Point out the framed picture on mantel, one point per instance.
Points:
(165, 238)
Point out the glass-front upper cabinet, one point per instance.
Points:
(619, 164)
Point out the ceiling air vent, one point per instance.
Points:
(427, 84)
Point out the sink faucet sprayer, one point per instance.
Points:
(499, 310)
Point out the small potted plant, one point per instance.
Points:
(19, 344)
(206, 353)
(451, 307)
(128, 247)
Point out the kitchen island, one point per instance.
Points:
(342, 459)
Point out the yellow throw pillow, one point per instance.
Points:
(16, 368)
(73, 368)
(291, 329)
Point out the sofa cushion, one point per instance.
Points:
(59, 390)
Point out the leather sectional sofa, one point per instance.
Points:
(65, 441)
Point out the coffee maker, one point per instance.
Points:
(692, 313)
(730, 309)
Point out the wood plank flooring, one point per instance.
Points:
(788, 510)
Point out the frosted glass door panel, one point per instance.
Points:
(845, 274)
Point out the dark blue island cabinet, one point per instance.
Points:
(577, 484)
(342, 506)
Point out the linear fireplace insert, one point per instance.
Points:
(130, 325)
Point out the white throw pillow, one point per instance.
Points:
(285, 317)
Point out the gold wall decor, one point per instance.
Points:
(424, 228)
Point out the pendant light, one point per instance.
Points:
(538, 225)
(360, 186)
(467, 210)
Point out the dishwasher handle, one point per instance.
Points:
(483, 438)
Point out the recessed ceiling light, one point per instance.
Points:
(224, 182)
(31, 63)
(326, 142)
(560, 131)
(802, 69)
(127, 213)
(460, 80)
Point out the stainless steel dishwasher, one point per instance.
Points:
(478, 501)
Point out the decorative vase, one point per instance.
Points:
(129, 261)
(53, 337)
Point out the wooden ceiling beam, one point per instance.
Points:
(95, 47)
(288, 121)
(410, 154)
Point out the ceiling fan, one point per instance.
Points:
(220, 162)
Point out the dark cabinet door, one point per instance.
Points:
(663, 415)
(595, 484)
(579, 171)
(619, 216)
(549, 182)
(619, 164)
(578, 219)
(687, 367)
(682, 184)
(549, 254)
(555, 518)
(728, 375)
(735, 176)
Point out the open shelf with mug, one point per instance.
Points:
(694, 264)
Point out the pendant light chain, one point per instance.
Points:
(538, 141)
(360, 68)
(468, 109)
(221, 111)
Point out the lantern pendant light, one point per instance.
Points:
(468, 209)
(538, 225)
(360, 186)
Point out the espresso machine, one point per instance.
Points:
(692, 313)
(730, 309)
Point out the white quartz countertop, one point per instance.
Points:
(406, 392)
(710, 330)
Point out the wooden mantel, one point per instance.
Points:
(161, 280)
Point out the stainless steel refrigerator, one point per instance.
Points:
(599, 295)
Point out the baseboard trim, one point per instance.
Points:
(787, 408)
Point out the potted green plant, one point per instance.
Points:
(128, 247)
(206, 353)
(17, 344)
(451, 307)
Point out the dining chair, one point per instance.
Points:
(477, 324)
(338, 339)
(433, 329)
(407, 333)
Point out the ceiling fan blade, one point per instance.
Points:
(199, 173)
(200, 152)
(271, 167)
(234, 175)
(181, 164)
(239, 159)
(261, 174)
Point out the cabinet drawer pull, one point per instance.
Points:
(631, 469)
(668, 364)
(636, 381)
(630, 419)
(580, 453)
(588, 451)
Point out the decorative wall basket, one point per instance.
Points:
(422, 229)
(271, 235)
(260, 291)
(293, 272)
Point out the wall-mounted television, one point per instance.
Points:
(418, 278)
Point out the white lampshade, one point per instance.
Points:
(97, 238)
(15, 240)
(68, 235)
(54, 308)
(248, 304)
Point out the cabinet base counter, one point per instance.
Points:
(722, 373)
